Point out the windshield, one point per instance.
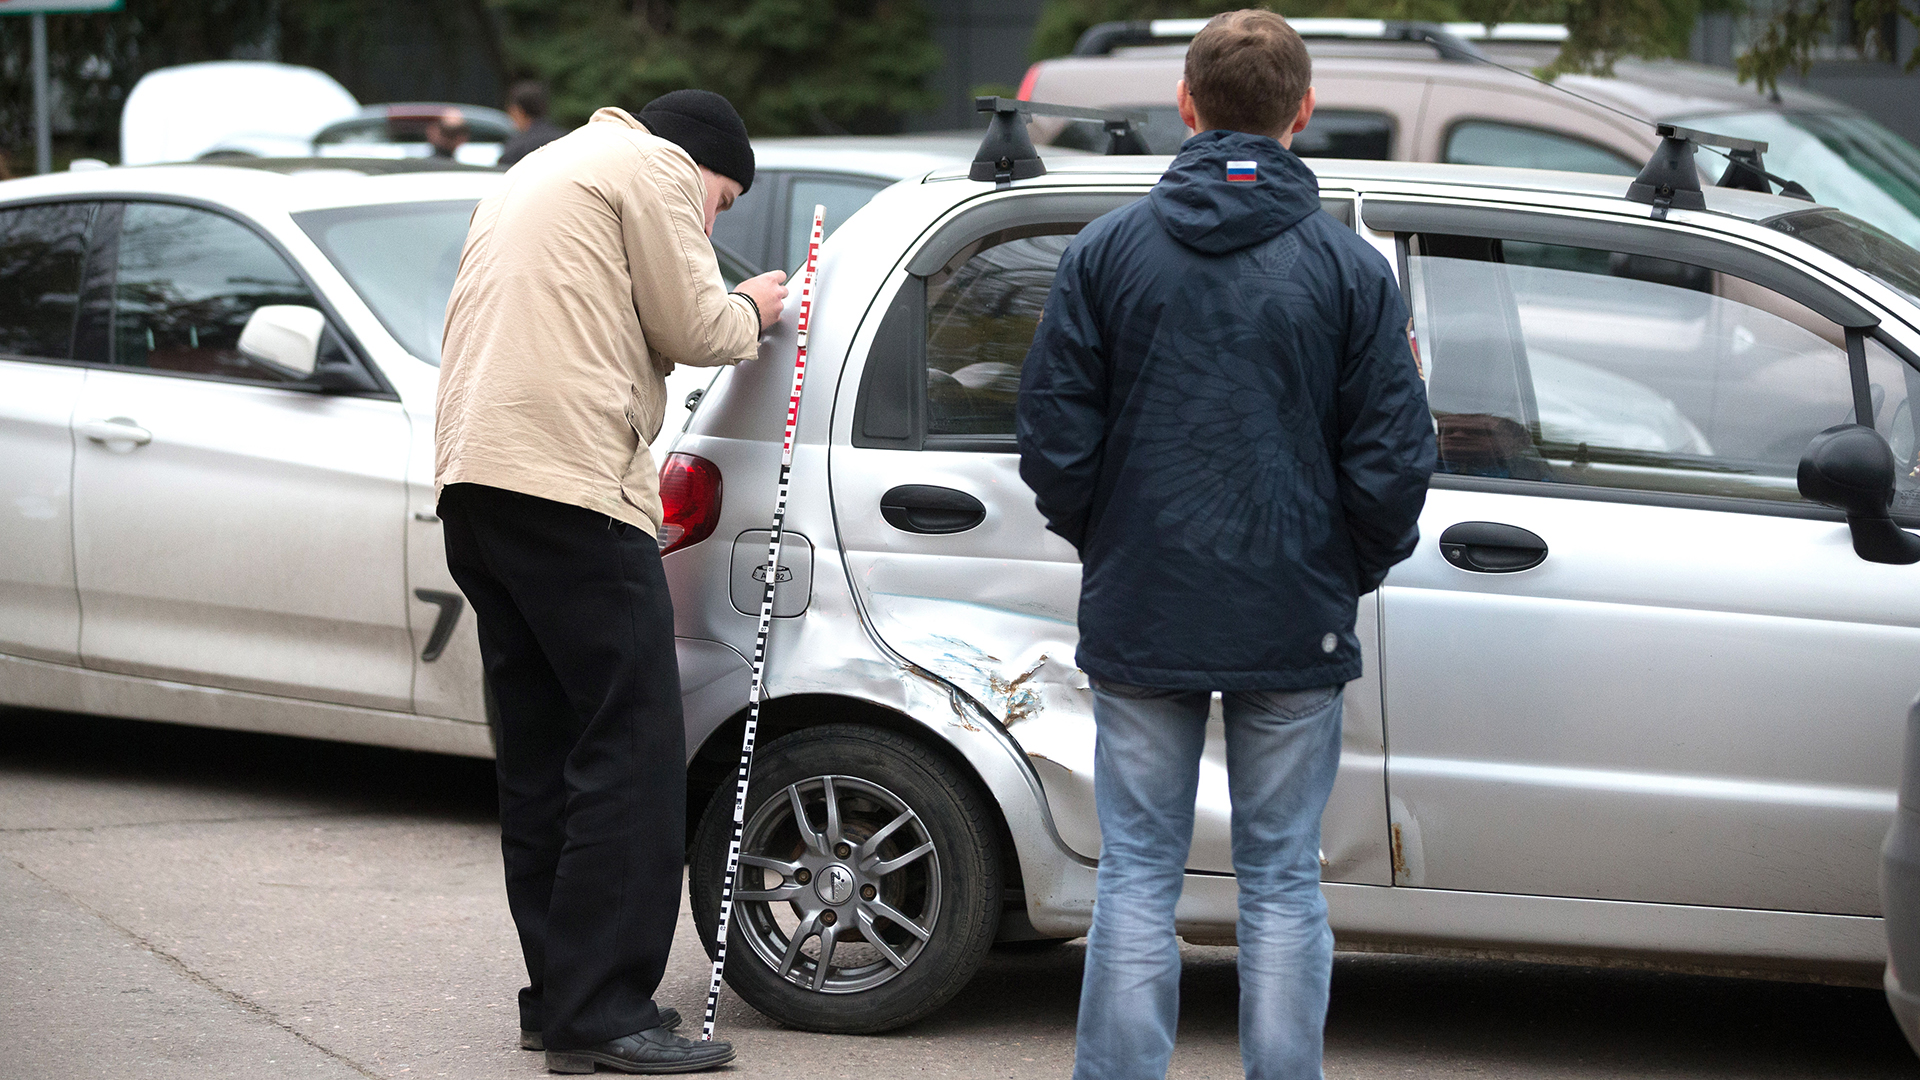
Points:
(1857, 244)
(401, 259)
(1843, 159)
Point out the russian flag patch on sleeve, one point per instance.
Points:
(1243, 172)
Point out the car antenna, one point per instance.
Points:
(1007, 153)
(1670, 177)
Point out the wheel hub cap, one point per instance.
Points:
(835, 885)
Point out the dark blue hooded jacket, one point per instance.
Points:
(1222, 412)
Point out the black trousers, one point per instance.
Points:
(576, 635)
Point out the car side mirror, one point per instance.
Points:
(1850, 467)
(286, 336)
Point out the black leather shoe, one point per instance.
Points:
(653, 1051)
(532, 1040)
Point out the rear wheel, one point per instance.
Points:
(869, 887)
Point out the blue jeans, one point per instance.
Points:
(1283, 748)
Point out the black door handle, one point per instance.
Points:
(923, 508)
(1489, 547)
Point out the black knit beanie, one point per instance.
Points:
(705, 125)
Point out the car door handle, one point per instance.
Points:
(1488, 547)
(118, 429)
(924, 508)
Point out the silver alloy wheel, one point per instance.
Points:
(843, 905)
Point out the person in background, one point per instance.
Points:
(527, 108)
(582, 283)
(447, 132)
(1222, 412)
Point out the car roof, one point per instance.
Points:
(1653, 89)
(257, 190)
(1465, 180)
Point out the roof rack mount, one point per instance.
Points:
(1007, 153)
(1671, 179)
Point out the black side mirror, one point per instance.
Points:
(342, 377)
(1850, 467)
(337, 372)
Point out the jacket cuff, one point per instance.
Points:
(758, 322)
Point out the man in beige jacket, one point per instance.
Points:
(585, 278)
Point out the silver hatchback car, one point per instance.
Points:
(1633, 700)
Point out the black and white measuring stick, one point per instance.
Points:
(766, 623)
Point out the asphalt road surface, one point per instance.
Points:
(177, 903)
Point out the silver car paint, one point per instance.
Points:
(1589, 697)
(978, 656)
(39, 615)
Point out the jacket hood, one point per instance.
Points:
(1212, 202)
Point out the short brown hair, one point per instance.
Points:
(1248, 71)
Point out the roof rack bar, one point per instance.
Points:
(1103, 38)
(1551, 33)
(1708, 138)
(1070, 112)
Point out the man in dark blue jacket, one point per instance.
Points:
(1221, 410)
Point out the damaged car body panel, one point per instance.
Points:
(936, 603)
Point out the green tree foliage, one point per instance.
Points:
(94, 60)
(1599, 31)
(1789, 39)
(789, 66)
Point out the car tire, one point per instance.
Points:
(912, 842)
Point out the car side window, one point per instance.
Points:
(42, 254)
(188, 280)
(1346, 133)
(841, 195)
(982, 311)
(944, 368)
(1566, 364)
(1343, 133)
(1488, 142)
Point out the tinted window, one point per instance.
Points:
(981, 315)
(401, 259)
(42, 249)
(1571, 365)
(188, 281)
(1484, 142)
(1341, 133)
(1859, 245)
(742, 228)
(840, 195)
(1346, 133)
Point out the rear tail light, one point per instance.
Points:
(1026, 83)
(689, 500)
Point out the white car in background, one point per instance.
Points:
(216, 451)
(216, 436)
(229, 108)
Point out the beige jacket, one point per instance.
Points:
(585, 278)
